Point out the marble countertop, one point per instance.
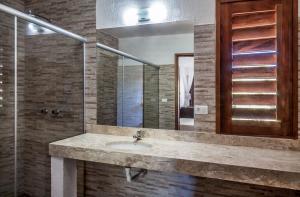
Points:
(233, 163)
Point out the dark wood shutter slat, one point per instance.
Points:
(255, 60)
(254, 114)
(260, 19)
(251, 33)
(266, 44)
(254, 73)
(254, 87)
(254, 100)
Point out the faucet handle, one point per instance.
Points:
(140, 133)
(56, 113)
(138, 136)
(44, 111)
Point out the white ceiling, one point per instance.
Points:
(109, 12)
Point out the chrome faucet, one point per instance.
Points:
(138, 136)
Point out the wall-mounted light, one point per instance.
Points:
(34, 29)
(157, 12)
(130, 16)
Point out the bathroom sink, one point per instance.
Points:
(127, 145)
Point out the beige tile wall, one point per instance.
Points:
(53, 80)
(167, 91)
(205, 76)
(151, 97)
(57, 84)
(107, 79)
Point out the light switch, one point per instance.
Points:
(201, 109)
(164, 100)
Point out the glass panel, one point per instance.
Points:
(50, 100)
(151, 97)
(132, 93)
(109, 82)
(120, 80)
(7, 105)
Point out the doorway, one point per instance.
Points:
(184, 91)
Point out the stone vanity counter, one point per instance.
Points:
(233, 163)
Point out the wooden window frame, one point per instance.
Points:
(293, 110)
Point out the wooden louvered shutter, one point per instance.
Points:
(255, 80)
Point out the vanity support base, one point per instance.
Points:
(63, 177)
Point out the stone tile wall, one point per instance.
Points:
(107, 79)
(167, 91)
(110, 181)
(205, 64)
(151, 97)
(54, 79)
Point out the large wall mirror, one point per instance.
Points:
(145, 62)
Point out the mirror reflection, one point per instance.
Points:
(145, 66)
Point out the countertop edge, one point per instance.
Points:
(264, 177)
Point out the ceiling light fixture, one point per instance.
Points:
(157, 12)
(130, 16)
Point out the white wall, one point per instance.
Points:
(159, 50)
(109, 12)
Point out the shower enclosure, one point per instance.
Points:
(127, 90)
(41, 98)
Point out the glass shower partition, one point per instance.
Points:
(132, 84)
(109, 86)
(41, 99)
(132, 94)
(7, 105)
(50, 99)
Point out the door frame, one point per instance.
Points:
(177, 85)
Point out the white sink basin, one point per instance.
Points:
(129, 145)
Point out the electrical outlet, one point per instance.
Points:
(201, 109)
(164, 100)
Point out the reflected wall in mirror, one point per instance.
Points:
(155, 89)
(127, 88)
